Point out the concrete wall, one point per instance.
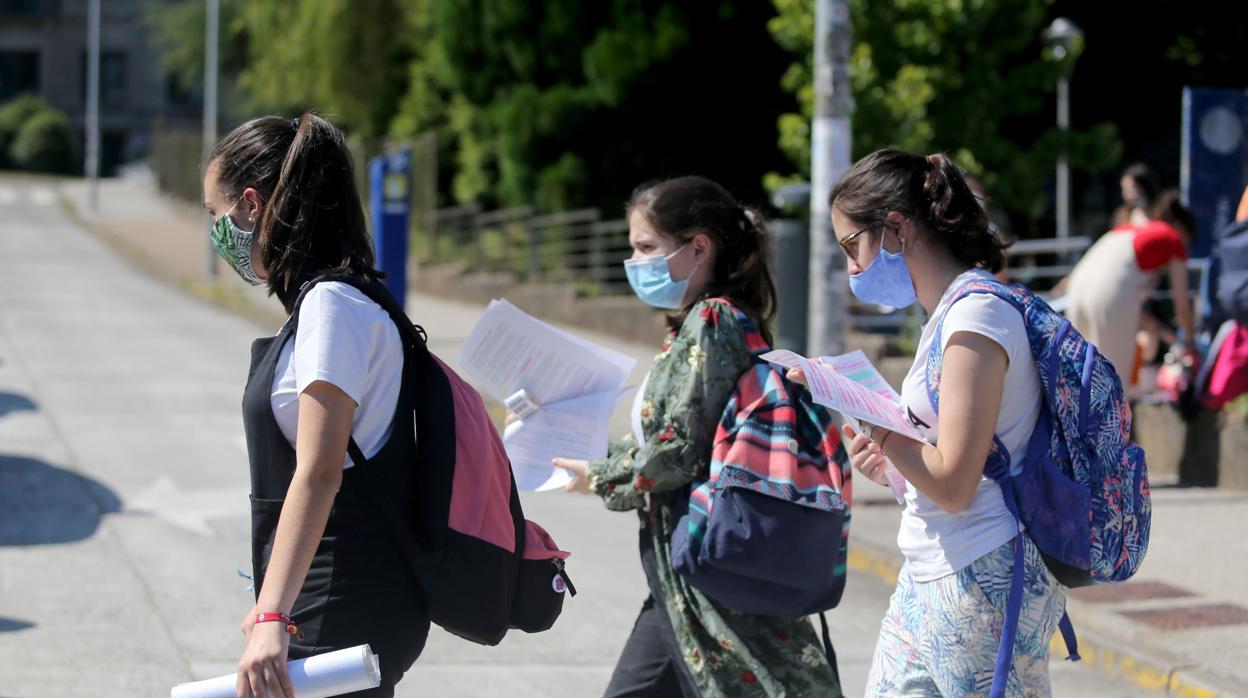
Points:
(1211, 449)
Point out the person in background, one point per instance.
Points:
(1140, 189)
(698, 254)
(1107, 289)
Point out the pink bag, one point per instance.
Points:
(1229, 377)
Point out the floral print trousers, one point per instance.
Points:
(939, 638)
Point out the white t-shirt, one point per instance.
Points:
(935, 542)
(346, 339)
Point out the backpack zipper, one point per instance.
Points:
(558, 562)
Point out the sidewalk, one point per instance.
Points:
(168, 239)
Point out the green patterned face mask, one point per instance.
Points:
(234, 246)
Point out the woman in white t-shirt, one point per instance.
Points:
(911, 229)
(328, 574)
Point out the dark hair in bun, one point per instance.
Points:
(930, 190)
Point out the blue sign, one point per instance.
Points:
(389, 197)
(1215, 158)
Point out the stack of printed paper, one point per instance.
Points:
(562, 388)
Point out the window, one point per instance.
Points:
(19, 7)
(176, 95)
(19, 73)
(112, 78)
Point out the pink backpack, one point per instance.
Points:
(482, 568)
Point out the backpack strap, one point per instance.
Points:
(754, 339)
(998, 468)
(433, 498)
(828, 650)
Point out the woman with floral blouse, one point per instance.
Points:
(697, 253)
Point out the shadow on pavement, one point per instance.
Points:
(8, 625)
(41, 504)
(12, 402)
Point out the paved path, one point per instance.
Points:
(123, 491)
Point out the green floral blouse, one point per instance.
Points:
(729, 654)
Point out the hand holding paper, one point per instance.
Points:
(852, 386)
(561, 388)
(322, 676)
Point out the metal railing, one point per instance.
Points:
(574, 247)
(578, 248)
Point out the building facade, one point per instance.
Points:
(43, 51)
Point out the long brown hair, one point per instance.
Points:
(312, 221)
(685, 206)
(1169, 208)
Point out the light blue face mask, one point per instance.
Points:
(886, 280)
(652, 281)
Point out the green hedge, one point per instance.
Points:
(13, 116)
(44, 144)
(35, 136)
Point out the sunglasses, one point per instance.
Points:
(850, 244)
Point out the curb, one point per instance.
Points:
(1108, 656)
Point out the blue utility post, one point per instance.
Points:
(390, 187)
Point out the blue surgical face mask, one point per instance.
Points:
(886, 280)
(652, 281)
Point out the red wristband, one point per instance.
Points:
(273, 617)
(279, 617)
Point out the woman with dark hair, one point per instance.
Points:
(327, 574)
(1107, 289)
(1140, 188)
(699, 254)
(912, 229)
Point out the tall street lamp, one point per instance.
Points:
(212, 68)
(1065, 41)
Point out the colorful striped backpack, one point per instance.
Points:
(1081, 491)
(767, 529)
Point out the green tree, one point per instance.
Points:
(178, 33)
(970, 77)
(340, 57)
(13, 115)
(566, 103)
(560, 104)
(43, 143)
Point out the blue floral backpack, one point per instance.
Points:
(1082, 489)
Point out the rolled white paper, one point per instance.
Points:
(320, 676)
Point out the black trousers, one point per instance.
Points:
(651, 665)
(359, 591)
